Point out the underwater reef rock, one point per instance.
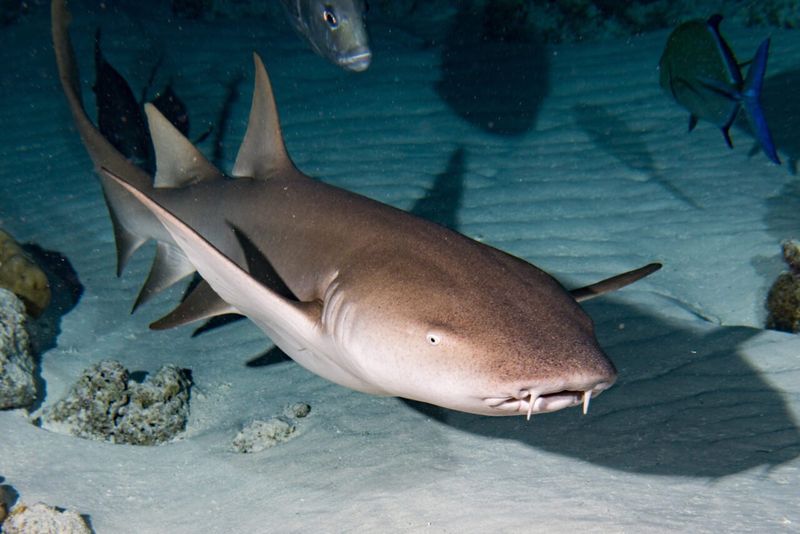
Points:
(18, 273)
(260, 435)
(106, 405)
(298, 409)
(17, 382)
(43, 519)
(783, 300)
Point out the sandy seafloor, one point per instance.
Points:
(700, 434)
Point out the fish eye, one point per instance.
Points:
(330, 17)
(434, 339)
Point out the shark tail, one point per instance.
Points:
(129, 218)
(751, 101)
(180, 164)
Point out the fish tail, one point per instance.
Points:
(751, 101)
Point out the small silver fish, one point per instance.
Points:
(335, 29)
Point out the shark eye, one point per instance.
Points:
(330, 17)
(434, 339)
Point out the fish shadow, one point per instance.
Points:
(614, 136)
(782, 112)
(694, 408)
(495, 78)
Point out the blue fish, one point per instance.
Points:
(699, 70)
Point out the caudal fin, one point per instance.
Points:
(751, 101)
(129, 217)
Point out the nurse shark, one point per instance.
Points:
(356, 291)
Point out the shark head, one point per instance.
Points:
(493, 337)
(336, 30)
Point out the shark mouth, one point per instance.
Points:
(530, 403)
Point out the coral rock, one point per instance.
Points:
(106, 405)
(43, 519)
(17, 383)
(298, 409)
(783, 301)
(19, 274)
(260, 435)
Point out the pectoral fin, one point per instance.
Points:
(615, 282)
(203, 303)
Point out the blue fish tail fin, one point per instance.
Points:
(751, 96)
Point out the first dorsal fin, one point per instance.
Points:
(178, 162)
(262, 153)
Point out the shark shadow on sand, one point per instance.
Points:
(495, 77)
(686, 403)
